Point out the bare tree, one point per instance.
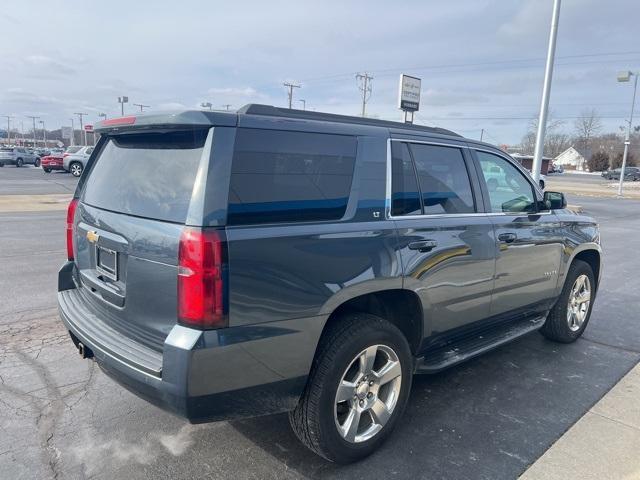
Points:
(587, 126)
(554, 139)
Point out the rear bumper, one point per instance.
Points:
(53, 166)
(201, 375)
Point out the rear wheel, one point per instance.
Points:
(46, 170)
(19, 163)
(357, 389)
(569, 317)
(37, 162)
(542, 184)
(76, 169)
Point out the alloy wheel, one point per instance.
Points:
(368, 393)
(579, 301)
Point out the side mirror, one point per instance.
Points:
(555, 200)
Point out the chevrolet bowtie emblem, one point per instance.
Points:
(92, 236)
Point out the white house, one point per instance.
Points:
(572, 159)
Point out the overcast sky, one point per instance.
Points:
(481, 61)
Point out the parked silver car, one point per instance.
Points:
(75, 162)
(17, 156)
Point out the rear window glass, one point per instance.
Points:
(147, 175)
(282, 176)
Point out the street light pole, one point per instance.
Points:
(73, 133)
(304, 103)
(625, 78)
(8, 117)
(84, 133)
(34, 129)
(546, 90)
(44, 133)
(141, 106)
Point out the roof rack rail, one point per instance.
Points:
(269, 110)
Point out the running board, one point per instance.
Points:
(459, 351)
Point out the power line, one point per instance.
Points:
(383, 72)
(291, 86)
(365, 88)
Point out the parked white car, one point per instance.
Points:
(75, 162)
(17, 156)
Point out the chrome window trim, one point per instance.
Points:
(388, 183)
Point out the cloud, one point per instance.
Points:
(48, 65)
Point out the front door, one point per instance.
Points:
(529, 245)
(447, 246)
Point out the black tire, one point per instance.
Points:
(1, 164)
(19, 163)
(76, 169)
(46, 170)
(556, 327)
(313, 419)
(542, 184)
(36, 163)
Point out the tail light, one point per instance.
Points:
(202, 272)
(71, 213)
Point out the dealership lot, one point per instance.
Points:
(489, 418)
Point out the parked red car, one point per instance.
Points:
(51, 162)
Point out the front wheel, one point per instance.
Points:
(569, 317)
(19, 163)
(541, 185)
(357, 389)
(76, 169)
(36, 163)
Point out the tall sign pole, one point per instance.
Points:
(546, 91)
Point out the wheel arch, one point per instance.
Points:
(401, 307)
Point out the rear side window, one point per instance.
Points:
(73, 149)
(148, 175)
(280, 176)
(443, 184)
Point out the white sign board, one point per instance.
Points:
(88, 128)
(409, 93)
(66, 133)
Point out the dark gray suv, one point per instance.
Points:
(224, 265)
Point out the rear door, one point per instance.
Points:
(447, 243)
(529, 244)
(133, 205)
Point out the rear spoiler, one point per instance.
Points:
(187, 118)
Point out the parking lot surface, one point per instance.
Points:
(30, 180)
(490, 418)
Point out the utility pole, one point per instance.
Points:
(291, 86)
(44, 133)
(22, 131)
(304, 103)
(34, 128)
(227, 106)
(365, 88)
(206, 105)
(546, 91)
(141, 106)
(8, 117)
(84, 134)
(73, 134)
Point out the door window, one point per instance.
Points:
(509, 190)
(429, 179)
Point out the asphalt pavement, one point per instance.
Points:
(30, 180)
(489, 418)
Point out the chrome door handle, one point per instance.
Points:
(507, 237)
(423, 245)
